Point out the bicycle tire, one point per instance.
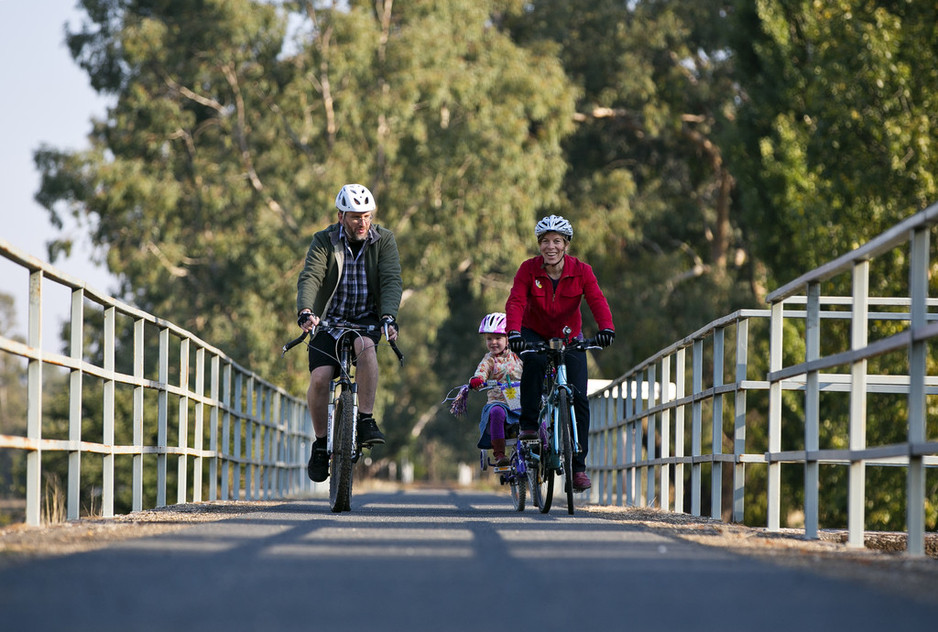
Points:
(533, 476)
(565, 421)
(545, 485)
(518, 488)
(340, 480)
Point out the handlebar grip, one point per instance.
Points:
(293, 343)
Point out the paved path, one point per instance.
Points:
(431, 560)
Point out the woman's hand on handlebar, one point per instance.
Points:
(307, 320)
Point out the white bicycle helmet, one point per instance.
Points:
(493, 323)
(554, 224)
(355, 198)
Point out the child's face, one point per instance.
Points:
(496, 343)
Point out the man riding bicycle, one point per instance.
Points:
(352, 273)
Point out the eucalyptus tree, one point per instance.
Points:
(232, 125)
(837, 125)
(648, 187)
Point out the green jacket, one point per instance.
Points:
(323, 269)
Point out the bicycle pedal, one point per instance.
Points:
(502, 469)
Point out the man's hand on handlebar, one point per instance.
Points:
(307, 320)
(390, 327)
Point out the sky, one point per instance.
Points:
(45, 98)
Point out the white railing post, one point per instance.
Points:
(213, 419)
(182, 462)
(650, 437)
(226, 467)
(856, 493)
(34, 402)
(918, 353)
(665, 469)
(739, 423)
(812, 412)
(162, 420)
(679, 428)
(75, 381)
(629, 471)
(716, 429)
(138, 407)
(107, 468)
(774, 490)
(237, 454)
(199, 430)
(696, 431)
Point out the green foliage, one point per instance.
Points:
(836, 131)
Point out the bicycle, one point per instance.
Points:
(515, 474)
(558, 440)
(342, 443)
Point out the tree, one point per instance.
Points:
(225, 147)
(648, 183)
(836, 128)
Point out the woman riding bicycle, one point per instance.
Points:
(545, 297)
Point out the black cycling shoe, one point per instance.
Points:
(532, 438)
(368, 433)
(318, 467)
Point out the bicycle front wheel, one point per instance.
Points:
(563, 410)
(343, 446)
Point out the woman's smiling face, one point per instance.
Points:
(553, 247)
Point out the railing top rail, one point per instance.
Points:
(886, 241)
(703, 332)
(8, 251)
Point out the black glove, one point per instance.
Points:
(605, 338)
(515, 341)
(390, 322)
(303, 317)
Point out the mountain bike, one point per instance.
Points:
(342, 442)
(552, 454)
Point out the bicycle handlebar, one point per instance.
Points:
(345, 326)
(575, 345)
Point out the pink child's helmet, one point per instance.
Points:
(493, 323)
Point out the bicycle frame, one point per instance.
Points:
(341, 383)
(557, 416)
(556, 376)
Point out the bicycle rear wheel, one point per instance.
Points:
(343, 446)
(518, 485)
(563, 410)
(534, 480)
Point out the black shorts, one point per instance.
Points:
(323, 349)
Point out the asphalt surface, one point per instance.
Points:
(432, 560)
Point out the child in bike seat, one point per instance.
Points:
(502, 411)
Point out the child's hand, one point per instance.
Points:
(476, 383)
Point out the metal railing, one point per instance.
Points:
(640, 433)
(242, 436)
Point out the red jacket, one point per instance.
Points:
(534, 304)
